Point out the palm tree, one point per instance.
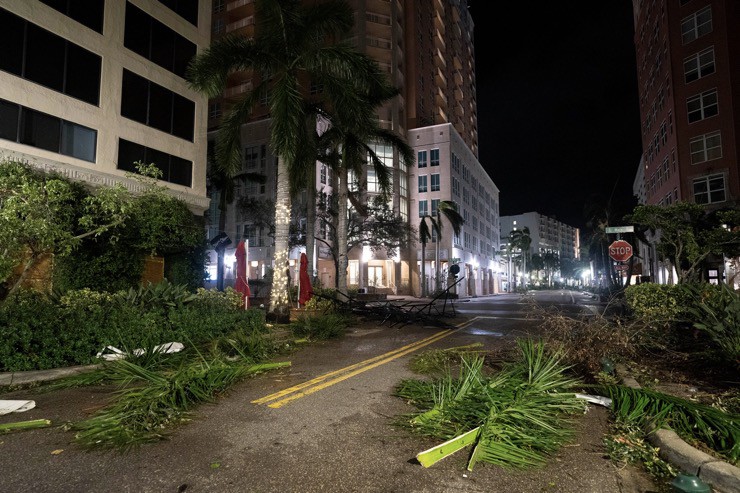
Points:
(349, 147)
(521, 239)
(552, 262)
(446, 209)
(291, 48)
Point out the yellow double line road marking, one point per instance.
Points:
(334, 377)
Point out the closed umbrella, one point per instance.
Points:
(242, 284)
(306, 291)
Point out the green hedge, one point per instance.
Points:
(38, 333)
(669, 304)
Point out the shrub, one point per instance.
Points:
(656, 303)
(320, 327)
(38, 332)
(718, 314)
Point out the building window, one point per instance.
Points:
(421, 159)
(403, 184)
(709, 189)
(702, 106)
(43, 131)
(434, 157)
(187, 9)
(423, 211)
(322, 174)
(455, 162)
(218, 26)
(697, 24)
(403, 208)
(88, 13)
(706, 147)
(435, 182)
(40, 56)
(251, 157)
(455, 186)
(435, 206)
(422, 183)
(372, 181)
(219, 6)
(214, 110)
(156, 42)
(151, 104)
(174, 169)
(699, 65)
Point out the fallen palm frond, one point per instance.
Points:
(718, 430)
(152, 401)
(24, 425)
(521, 411)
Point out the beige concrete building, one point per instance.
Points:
(91, 88)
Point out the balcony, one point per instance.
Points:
(239, 8)
(439, 59)
(458, 78)
(440, 79)
(440, 98)
(439, 43)
(240, 24)
(237, 90)
(439, 23)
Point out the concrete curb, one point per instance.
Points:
(27, 377)
(722, 476)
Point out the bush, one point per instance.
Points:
(660, 304)
(718, 314)
(319, 327)
(37, 332)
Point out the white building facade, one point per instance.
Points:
(447, 170)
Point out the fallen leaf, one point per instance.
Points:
(57, 451)
(215, 465)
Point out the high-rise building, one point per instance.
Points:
(427, 49)
(688, 68)
(89, 88)
(547, 233)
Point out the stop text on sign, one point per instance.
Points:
(620, 251)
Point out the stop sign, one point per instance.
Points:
(620, 251)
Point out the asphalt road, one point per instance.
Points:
(330, 430)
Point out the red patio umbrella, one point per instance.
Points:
(242, 285)
(306, 291)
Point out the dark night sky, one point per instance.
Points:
(558, 115)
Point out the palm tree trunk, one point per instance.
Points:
(220, 251)
(311, 222)
(423, 269)
(279, 302)
(342, 260)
